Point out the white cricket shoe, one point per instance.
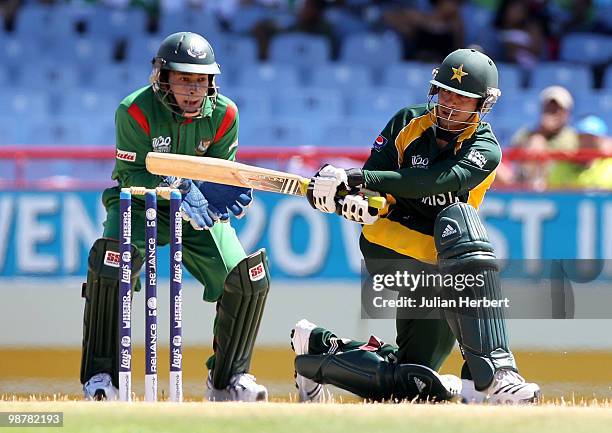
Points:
(308, 390)
(100, 387)
(242, 387)
(469, 394)
(453, 384)
(509, 387)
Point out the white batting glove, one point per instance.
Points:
(326, 184)
(355, 208)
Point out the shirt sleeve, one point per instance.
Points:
(133, 144)
(225, 142)
(384, 154)
(461, 173)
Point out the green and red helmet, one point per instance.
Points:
(184, 52)
(470, 73)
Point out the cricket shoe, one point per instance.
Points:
(509, 387)
(308, 390)
(241, 387)
(453, 384)
(100, 387)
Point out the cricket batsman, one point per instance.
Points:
(180, 112)
(434, 162)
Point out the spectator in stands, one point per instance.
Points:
(595, 174)
(309, 19)
(8, 10)
(428, 35)
(552, 133)
(520, 34)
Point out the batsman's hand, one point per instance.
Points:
(194, 207)
(223, 199)
(329, 184)
(355, 207)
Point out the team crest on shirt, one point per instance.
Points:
(197, 48)
(161, 144)
(379, 143)
(202, 147)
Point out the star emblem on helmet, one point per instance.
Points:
(458, 73)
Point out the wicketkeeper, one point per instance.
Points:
(180, 112)
(434, 162)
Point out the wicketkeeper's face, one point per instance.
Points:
(189, 90)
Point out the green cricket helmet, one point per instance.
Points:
(470, 73)
(184, 52)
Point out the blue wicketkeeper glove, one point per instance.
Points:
(223, 199)
(194, 207)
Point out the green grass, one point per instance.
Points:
(310, 418)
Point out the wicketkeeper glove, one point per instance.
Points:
(194, 207)
(223, 199)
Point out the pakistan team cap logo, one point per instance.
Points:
(197, 48)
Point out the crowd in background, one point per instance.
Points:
(521, 32)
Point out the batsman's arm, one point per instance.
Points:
(469, 168)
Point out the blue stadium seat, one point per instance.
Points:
(372, 49)
(98, 105)
(575, 78)
(204, 23)
(24, 102)
(504, 127)
(93, 50)
(351, 133)
(43, 21)
(378, 105)
(252, 102)
(50, 75)
(412, 76)
(117, 23)
(595, 102)
(243, 20)
(5, 79)
(288, 132)
(522, 107)
(120, 79)
(343, 22)
(304, 50)
(589, 48)
(607, 79)
(510, 77)
(12, 52)
(103, 134)
(142, 48)
(478, 28)
(348, 78)
(270, 76)
(56, 130)
(234, 51)
(311, 106)
(13, 131)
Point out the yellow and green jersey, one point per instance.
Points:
(420, 178)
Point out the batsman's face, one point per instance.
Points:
(189, 90)
(454, 110)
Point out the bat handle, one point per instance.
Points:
(375, 200)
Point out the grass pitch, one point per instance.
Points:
(311, 418)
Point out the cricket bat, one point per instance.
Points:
(237, 174)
